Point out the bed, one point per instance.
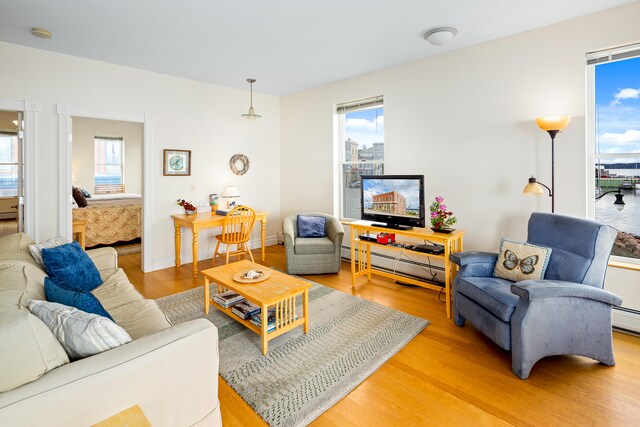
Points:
(111, 218)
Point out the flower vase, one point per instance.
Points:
(189, 212)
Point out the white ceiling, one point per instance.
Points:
(287, 45)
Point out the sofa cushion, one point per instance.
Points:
(15, 248)
(116, 290)
(492, 293)
(84, 301)
(36, 248)
(313, 245)
(81, 334)
(521, 261)
(311, 226)
(28, 349)
(140, 318)
(71, 268)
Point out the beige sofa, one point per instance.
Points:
(171, 372)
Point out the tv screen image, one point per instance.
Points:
(397, 200)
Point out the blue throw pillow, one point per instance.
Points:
(84, 301)
(311, 226)
(71, 268)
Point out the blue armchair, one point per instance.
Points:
(567, 312)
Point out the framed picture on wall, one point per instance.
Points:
(177, 162)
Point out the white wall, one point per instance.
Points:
(466, 120)
(84, 132)
(190, 115)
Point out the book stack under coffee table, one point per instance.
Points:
(275, 295)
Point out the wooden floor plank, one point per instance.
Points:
(447, 375)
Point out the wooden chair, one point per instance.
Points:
(236, 230)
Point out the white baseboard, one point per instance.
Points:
(166, 262)
(626, 320)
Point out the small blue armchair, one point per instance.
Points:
(568, 312)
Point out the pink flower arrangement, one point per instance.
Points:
(440, 217)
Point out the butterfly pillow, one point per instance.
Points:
(521, 261)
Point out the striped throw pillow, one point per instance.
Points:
(80, 334)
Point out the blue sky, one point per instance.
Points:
(365, 126)
(618, 107)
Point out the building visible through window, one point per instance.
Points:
(617, 149)
(361, 139)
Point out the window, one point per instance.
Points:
(360, 148)
(8, 164)
(615, 128)
(108, 165)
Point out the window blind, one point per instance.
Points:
(360, 104)
(613, 54)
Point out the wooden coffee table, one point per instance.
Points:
(279, 290)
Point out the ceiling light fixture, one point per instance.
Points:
(251, 114)
(41, 33)
(441, 35)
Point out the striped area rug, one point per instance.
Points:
(303, 375)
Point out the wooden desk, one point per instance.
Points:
(362, 248)
(80, 227)
(208, 220)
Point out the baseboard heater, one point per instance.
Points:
(404, 263)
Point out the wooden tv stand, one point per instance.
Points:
(361, 253)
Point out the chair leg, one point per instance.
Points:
(227, 254)
(215, 254)
(248, 249)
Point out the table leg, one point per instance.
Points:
(264, 327)
(447, 278)
(194, 250)
(82, 239)
(353, 259)
(206, 295)
(177, 245)
(263, 234)
(305, 310)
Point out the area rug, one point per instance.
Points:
(128, 249)
(303, 375)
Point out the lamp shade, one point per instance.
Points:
(553, 122)
(230, 191)
(533, 188)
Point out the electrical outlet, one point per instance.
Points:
(193, 188)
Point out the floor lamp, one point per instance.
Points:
(553, 125)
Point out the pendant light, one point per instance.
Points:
(251, 114)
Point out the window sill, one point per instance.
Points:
(625, 265)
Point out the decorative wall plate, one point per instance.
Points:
(239, 164)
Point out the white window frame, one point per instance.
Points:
(122, 159)
(593, 58)
(340, 112)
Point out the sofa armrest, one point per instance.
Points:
(473, 257)
(335, 231)
(104, 258)
(545, 289)
(288, 230)
(172, 375)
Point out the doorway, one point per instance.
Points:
(106, 166)
(65, 147)
(11, 172)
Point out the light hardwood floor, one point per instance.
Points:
(447, 375)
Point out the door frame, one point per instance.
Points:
(30, 110)
(65, 149)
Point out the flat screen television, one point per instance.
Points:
(396, 201)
